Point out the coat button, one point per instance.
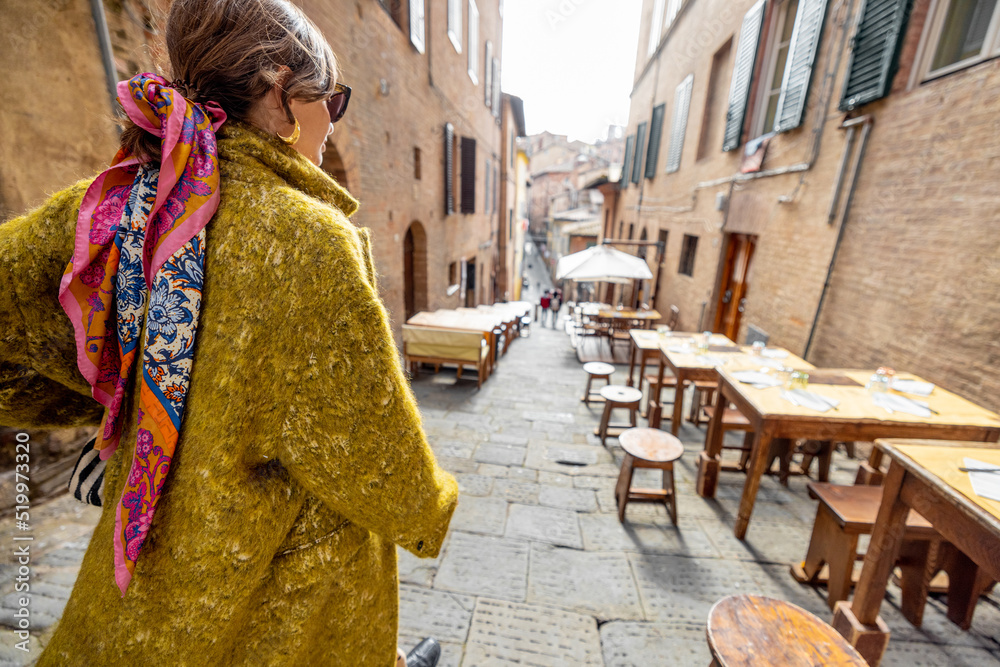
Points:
(420, 545)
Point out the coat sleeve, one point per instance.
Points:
(40, 384)
(352, 435)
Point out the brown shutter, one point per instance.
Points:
(468, 203)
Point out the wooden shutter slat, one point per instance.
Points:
(627, 161)
(802, 51)
(468, 203)
(417, 24)
(739, 88)
(488, 74)
(655, 133)
(875, 51)
(640, 144)
(678, 126)
(449, 169)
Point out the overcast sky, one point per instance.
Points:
(571, 61)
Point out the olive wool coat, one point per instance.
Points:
(301, 461)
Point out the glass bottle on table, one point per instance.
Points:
(704, 342)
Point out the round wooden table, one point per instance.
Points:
(752, 630)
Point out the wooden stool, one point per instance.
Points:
(752, 631)
(599, 370)
(618, 396)
(844, 513)
(704, 392)
(648, 448)
(656, 389)
(734, 420)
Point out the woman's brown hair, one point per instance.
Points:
(231, 52)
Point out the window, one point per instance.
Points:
(510, 224)
(688, 251)
(627, 162)
(809, 18)
(678, 127)
(631, 230)
(714, 99)
(654, 26)
(963, 33)
(488, 75)
(655, 130)
(455, 23)
(473, 42)
(449, 169)
(488, 183)
(774, 65)
(739, 88)
(468, 203)
(640, 143)
(661, 240)
(874, 52)
(453, 278)
(673, 6)
(417, 24)
(496, 87)
(621, 228)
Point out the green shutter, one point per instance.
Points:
(449, 169)
(655, 130)
(801, 58)
(640, 143)
(739, 89)
(627, 162)
(875, 51)
(678, 127)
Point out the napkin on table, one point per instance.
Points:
(985, 484)
(913, 387)
(808, 399)
(774, 354)
(897, 403)
(757, 379)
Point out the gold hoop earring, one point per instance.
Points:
(294, 136)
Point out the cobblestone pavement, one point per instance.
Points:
(537, 570)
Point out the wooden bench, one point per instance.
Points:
(755, 631)
(431, 345)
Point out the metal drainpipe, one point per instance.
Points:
(866, 122)
(107, 58)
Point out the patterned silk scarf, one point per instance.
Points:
(140, 237)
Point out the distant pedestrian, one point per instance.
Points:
(555, 305)
(544, 302)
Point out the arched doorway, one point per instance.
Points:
(333, 164)
(414, 270)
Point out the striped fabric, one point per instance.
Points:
(87, 481)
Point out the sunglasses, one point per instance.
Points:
(337, 104)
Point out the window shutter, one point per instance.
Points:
(449, 169)
(417, 24)
(875, 51)
(640, 143)
(801, 58)
(488, 74)
(655, 130)
(468, 203)
(739, 89)
(496, 87)
(627, 162)
(678, 127)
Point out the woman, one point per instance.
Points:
(264, 452)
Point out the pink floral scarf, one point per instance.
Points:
(140, 238)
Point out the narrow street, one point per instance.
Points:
(537, 569)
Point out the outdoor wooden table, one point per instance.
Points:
(923, 475)
(463, 321)
(645, 345)
(678, 354)
(647, 317)
(855, 418)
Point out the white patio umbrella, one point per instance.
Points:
(602, 263)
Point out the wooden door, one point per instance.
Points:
(409, 287)
(734, 287)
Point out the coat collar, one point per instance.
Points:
(238, 141)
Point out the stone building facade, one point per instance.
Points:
(824, 171)
(423, 128)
